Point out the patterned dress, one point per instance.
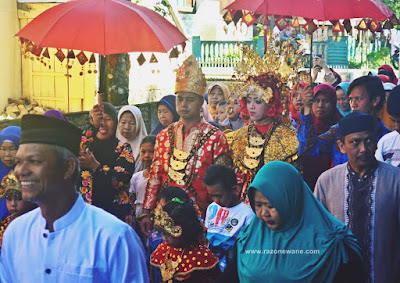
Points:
(113, 178)
(181, 159)
(194, 264)
(251, 150)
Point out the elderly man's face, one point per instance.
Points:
(39, 172)
(360, 148)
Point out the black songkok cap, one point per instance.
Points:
(49, 130)
(356, 122)
(393, 102)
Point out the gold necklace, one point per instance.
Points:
(169, 267)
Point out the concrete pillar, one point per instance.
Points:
(10, 59)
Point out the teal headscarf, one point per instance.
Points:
(307, 225)
(344, 86)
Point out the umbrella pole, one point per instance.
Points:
(103, 76)
(311, 43)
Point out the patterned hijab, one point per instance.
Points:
(307, 225)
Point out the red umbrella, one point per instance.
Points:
(322, 10)
(104, 27)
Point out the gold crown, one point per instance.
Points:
(10, 183)
(164, 222)
(190, 78)
(253, 88)
(274, 61)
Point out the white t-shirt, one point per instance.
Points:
(224, 223)
(389, 149)
(138, 187)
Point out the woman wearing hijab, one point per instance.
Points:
(107, 164)
(216, 93)
(166, 111)
(296, 104)
(131, 129)
(343, 104)
(318, 116)
(388, 71)
(9, 143)
(293, 238)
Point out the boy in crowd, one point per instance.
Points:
(226, 215)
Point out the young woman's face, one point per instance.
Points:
(342, 100)
(147, 154)
(322, 106)
(216, 96)
(164, 115)
(297, 101)
(127, 126)
(7, 153)
(256, 107)
(107, 128)
(266, 212)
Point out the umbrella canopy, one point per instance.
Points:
(102, 26)
(322, 10)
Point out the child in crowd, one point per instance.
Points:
(221, 111)
(181, 258)
(139, 179)
(11, 189)
(165, 196)
(226, 216)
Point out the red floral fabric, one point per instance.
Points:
(214, 147)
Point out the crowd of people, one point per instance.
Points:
(236, 183)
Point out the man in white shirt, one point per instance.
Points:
(389, 145)
(64, 240)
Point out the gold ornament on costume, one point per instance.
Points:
(181, 155)
(10, 185)
(253, 88)
(164, 222)
(190, 78)
(280, 60)
(176, 176)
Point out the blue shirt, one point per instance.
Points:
(87, 245)
(311, 144)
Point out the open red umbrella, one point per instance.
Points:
(104, 27)
(322, 10)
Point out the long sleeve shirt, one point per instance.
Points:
(211, 148)
(311, 144)
(87, 245)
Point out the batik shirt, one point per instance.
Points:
(202, 145)
(360, 212)
(311, 144)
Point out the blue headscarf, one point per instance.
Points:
(344, 86)
(10, 134)
(169, 101)
(307, 225)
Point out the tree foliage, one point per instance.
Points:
(394, 5)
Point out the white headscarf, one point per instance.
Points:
(141, 132)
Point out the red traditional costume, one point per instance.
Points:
(181, 157)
